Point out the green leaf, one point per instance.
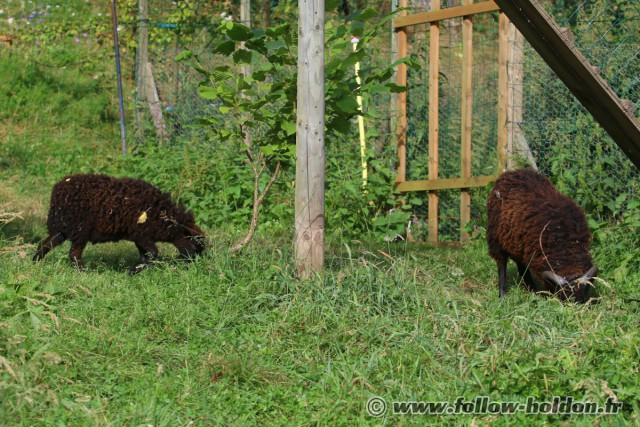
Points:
(363, 15)
(275, 44)
(220, 73)
(182, 56)
(289, 128)
(208, 92)
(347, 104)
(225, 47)
(268, 150)
(257, 44)
(224, 110)
(394, 88)
(238, 32)
(330, 5)
(242, 56)
(339, 124)
(279, 30)
(357, 28)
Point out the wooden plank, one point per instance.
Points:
(434, 103)
(466, 119)
(442, 14)
(576, 72)
(503, 91)
(401, 129)
(310, 123)
(445, 184)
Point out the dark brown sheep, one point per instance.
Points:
(98, 208)
(543, 231)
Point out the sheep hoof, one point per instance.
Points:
(136, 269)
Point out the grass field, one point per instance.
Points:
(238, 340)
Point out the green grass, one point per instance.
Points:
(237, 339)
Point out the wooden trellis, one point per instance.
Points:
(465, 182)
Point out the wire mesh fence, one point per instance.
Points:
(567, 143)
(555, 133)
(558, 134)
(485, 101)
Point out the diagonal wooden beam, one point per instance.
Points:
(576, 72)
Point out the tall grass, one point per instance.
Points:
(237, 339)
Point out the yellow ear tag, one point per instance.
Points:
(142, 218)
(68, 179)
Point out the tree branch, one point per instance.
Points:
(257, 200)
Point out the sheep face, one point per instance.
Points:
(576, 289)
(190, 239)
(191, 243)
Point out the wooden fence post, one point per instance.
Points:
(401, 129)
(309, 205)
(517, 143)
(142, 57)
(434, 128)
(466, 119)
(503, 91)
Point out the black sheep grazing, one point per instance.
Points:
(98, 208)
(542, 230)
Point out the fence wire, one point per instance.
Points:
(556, 134)
(567, 143)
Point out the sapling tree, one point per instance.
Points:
(263, 101)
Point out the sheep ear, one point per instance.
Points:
(550, 276)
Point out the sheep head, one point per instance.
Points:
(576, 289)
(191, 242)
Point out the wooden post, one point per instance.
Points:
(516, 141)
(142, 57)
(151, 94)
(393, 98)
(434, 74)
(402, 101)
(503, 91)
(309, 206)
(245, 69)
(245, 12)
(466, 119)
(116, 46)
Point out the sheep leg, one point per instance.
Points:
(502, 278)
(525, 273)
(148, 251)
(49, 243)
(75, 254)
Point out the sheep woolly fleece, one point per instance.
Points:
(538, 227)
(98, 208)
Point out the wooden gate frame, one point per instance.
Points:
(466, 181)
